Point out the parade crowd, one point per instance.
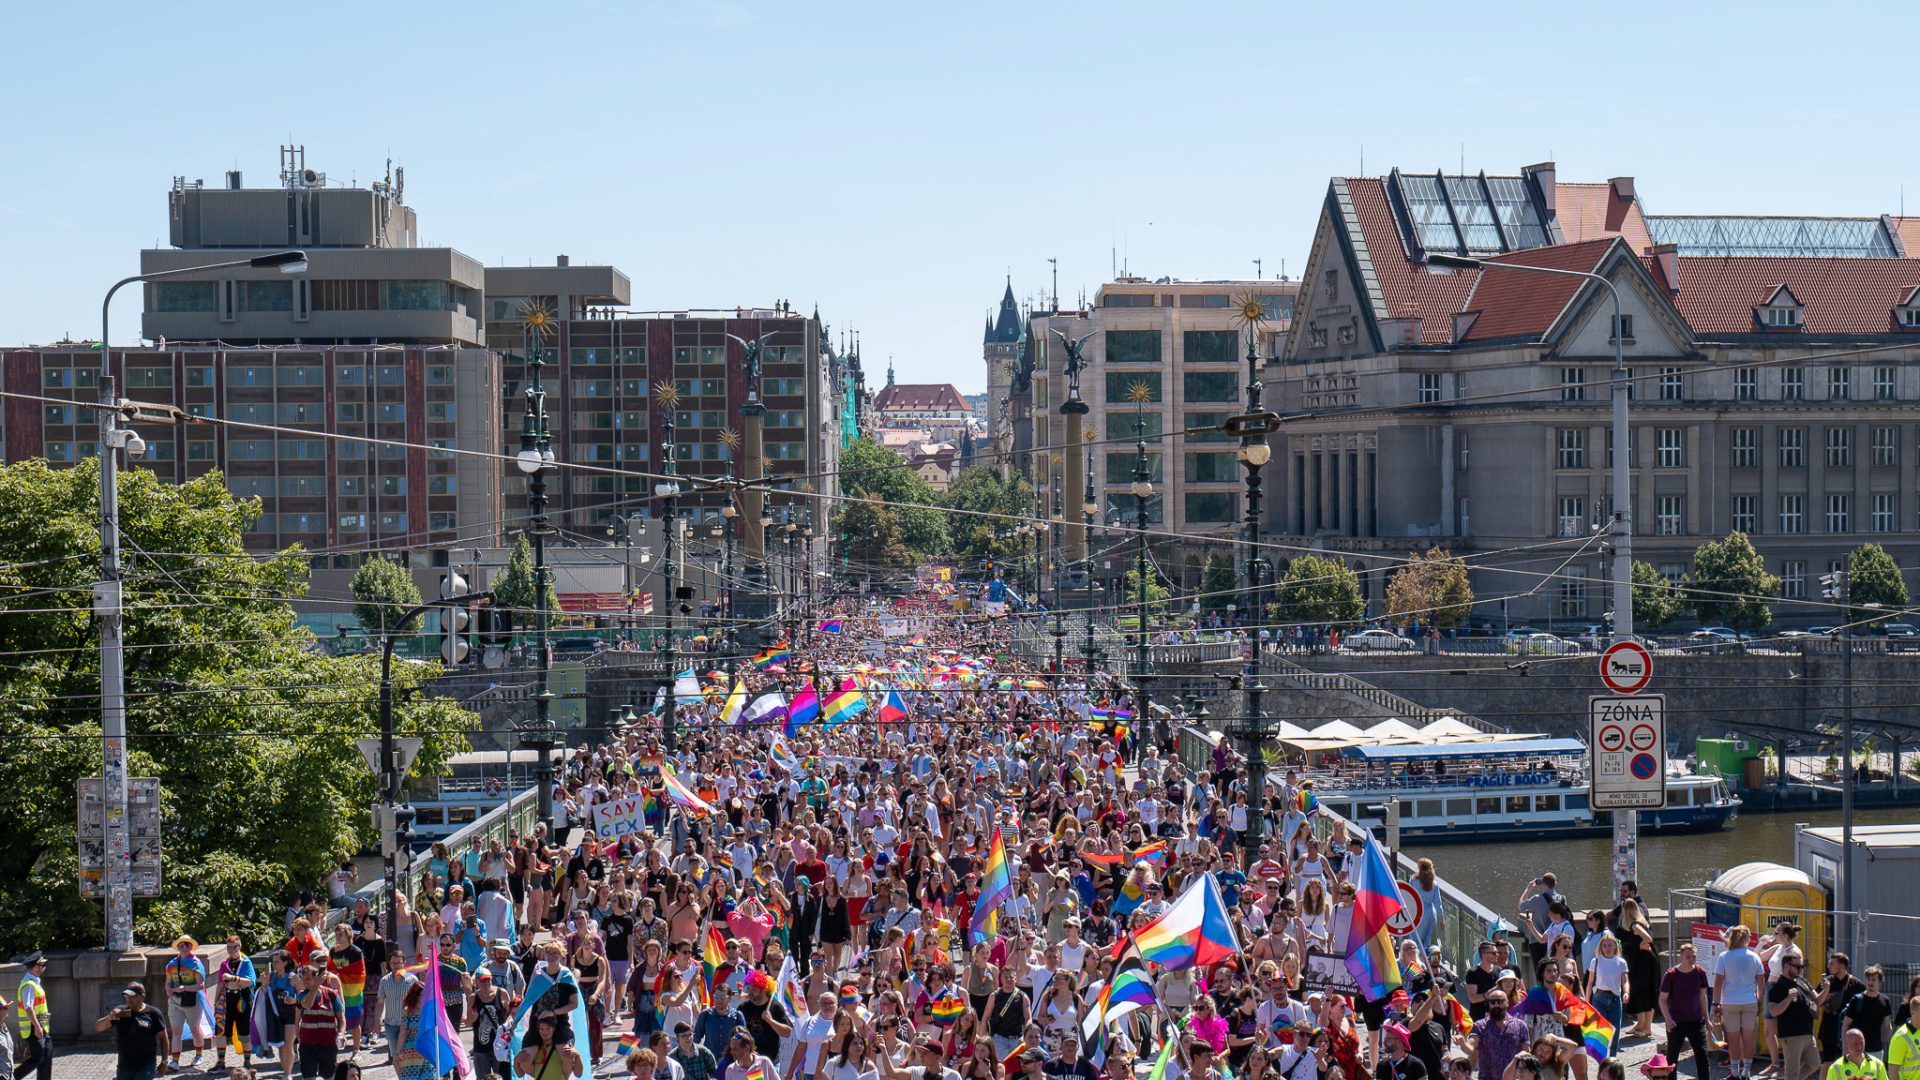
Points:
(877, 854)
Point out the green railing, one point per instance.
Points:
(516, 815)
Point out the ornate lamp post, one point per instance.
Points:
(1253, 454)
(1142, 490)
(666, 490)
(535, 459)
(1088, 508)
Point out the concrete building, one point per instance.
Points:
(1774, 367)
(1184, 343)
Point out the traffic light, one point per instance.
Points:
(403, 835)
(383, 824)
(1834, 586)
(455, 621)
(496, 627)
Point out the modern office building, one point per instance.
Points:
(1776, 389)
(1183, 344)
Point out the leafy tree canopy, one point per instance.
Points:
(1655, 602)
(1876, 590)
(382, 590)
(871, 471)
(1320, 590)
(1729, 585)
(246, 722)
(1432, 588)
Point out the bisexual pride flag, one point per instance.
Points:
(439, 1041)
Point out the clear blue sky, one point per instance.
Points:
(893, 162)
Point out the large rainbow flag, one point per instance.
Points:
(1596, 1033)
(996, 888)
(1376, 901)
(1193, 931)
(775, 654)
(679, 795)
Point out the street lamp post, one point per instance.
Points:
(1142, 490)
(1626, 823)
(625, 528)
(1253, 454)
(117, 873)
(1088, 508)
(535, 459)
(1837, 587)
(666, 489)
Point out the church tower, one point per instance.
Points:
(1001, 351)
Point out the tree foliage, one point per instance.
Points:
(514, 591)
(1729, 585)
(248, 725)
(1655, 601)
(1875, 589)
(1157, 595)
(1218, 583)
(871, 471)
(1321, 591)
(873, 536)
(972, 537)
(382, 591)
(1432, 588)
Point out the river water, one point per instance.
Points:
(1495, 874)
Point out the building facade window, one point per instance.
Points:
(1429, 387)
(1793, 514)
(1746, 384)
(1121, 466)
(1673, 448)
(1120, 385)
(1839, 448)
(1209, 346)
(1885, 512)
(1670, 515)
(1211, 468)
(1883, 383)
(1746, 514)
(1573, 515)
(1573, 599)
(1210, 386)
(1573, 384)
(1793, 384)
(1622, 329)
(1793, 448)
(1886, 447)
(1839, 513)
(1573, 448)
(1211, 506)
(1745, 446)
(1839, 384)
(1793, 579)
(1672, 382)
(1133, 346)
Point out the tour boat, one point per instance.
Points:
(1523, 788)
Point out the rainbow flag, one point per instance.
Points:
(843, 704)
(1376, 901)
(893, 707)
(629, 1043)
(439, 1040)
(1110, 714)
(763, 873)
(1596, 1034)
(948, 1009)
(775, 654)
(651, 811)
(832, 626)
(1306, 800)
(803, 709)
(996, 888)
(1154, 854)
(1107, 859)
(678, 794)
(1193, 931)
(714, 953)
(756, 1073)
(1457, 1013)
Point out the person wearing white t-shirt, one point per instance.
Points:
(1073, 951)
(810, 1038)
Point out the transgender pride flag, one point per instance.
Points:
(439, 1041)
(1376, 901)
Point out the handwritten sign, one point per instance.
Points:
(620, 817)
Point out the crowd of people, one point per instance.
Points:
(951, 875)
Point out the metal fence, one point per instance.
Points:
(516, 816)
(1868, 937)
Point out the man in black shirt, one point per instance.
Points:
(1836, 991)
(1790, 1004)
(1070, 1063)
(764, 1018)
(140, 1036)
(1399, 1064)
(1481, 979)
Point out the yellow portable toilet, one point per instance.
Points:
(1763, 894)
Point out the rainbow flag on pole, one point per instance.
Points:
(996, 888)
(1376, 901)
(774, 654)
(1193, 932)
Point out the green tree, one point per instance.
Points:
(1218, 583)
(514, 591)
(1321, 591)
(873, 537)
(382, 591)
(1157, 595)
(1655, 601)
(1432, 588)
(988, 504)
(1876, 590)
(871, 471)
(1729, 585)
(248, 726)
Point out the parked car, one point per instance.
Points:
(1716, 634)
(1378, 640)
(1542, 644)
(1521, 632)
(1824, 631)
(1903, 637)
(1594, 636)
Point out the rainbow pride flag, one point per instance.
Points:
(679, 795)
(1596, 1033)
(948, 1009)
(629, 1043)
(714, 953)
(1154, 854)
(1193, 931)
(1306, 800)
(996, 888)
(773, 654)
(1376, 901)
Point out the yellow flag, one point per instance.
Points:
(736, 701)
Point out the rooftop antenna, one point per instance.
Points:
(1256, 271)
(1363, 159)
(1463, 159)
(1055, 263)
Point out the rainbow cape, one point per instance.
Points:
(1376, 901)
(1193, 931)
(948, 1009)
(996, 888)
(1596, 1033)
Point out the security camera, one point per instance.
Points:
(136, 447)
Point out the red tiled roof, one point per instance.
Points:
(1516, 304)
(1593, 211)
(920, 396)
(1839, 296)
(1409, 291)
(1908, 229)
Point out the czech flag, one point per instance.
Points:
(894, 708)
(832, 626)
(1376, 901)
(1194, 931)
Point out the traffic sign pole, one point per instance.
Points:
(1626, 667)
(1628, 768)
